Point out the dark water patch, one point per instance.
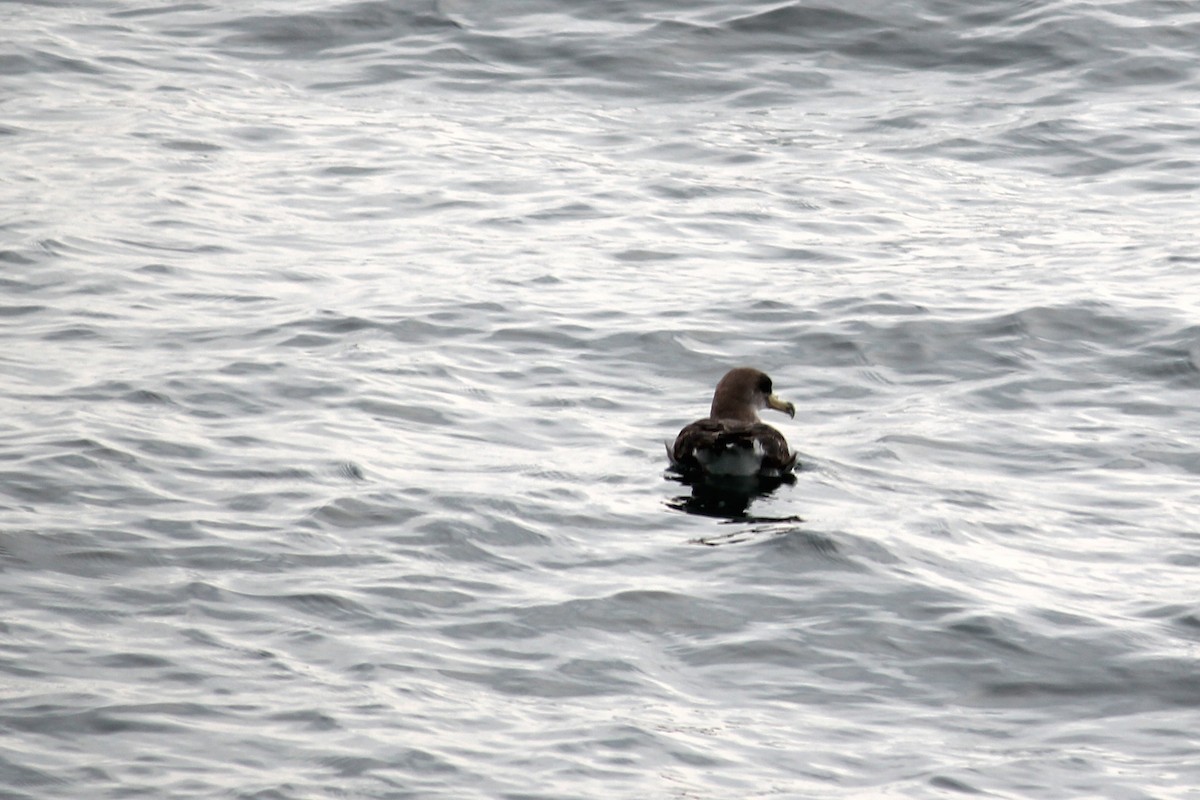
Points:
(158, 269)
(72, 333)
(191, 146)
(353, 171)
(18, 776)
(1167, 186)
(497, 631)
(41, 61)
(907, 40)
(211, 403)
(776, 253)
(795, 19)
(177, 529)
(1025, 343)
(426, 600)
(310, 341)
(169, 247)
(420, 415)
(527, 339)
(307, 720)
(155, 11)
(103, 563)
(498, 527)
(245, 368)
(121, 718)
(1140, 71)
(207, 556)
(167, 449)
(148, 397)
(20, 311)
(578, 678)
(879, 305)
(938, 348)
(17, 258)
(310, 35)
(350, 513)
(332, 323)
(948, 783)
(23, 487)
(989, 632)
(1119, 695)
(416, 330)
(477, 49)
(350, 471)
(632, 610)
(132, 660)
(324, 605)
(469, 313)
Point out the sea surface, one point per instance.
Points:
(339, 342)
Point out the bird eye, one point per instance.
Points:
(764, 385)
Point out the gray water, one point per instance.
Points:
(339, 341)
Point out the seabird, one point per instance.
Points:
(732, 441)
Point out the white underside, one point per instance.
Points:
(734, 461)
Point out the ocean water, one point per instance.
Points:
(339, 342)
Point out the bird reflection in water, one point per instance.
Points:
(728, 498)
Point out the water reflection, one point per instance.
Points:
(728, 498)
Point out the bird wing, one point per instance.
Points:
(777, 458)
(717, 435)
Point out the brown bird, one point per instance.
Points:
(732, 441)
